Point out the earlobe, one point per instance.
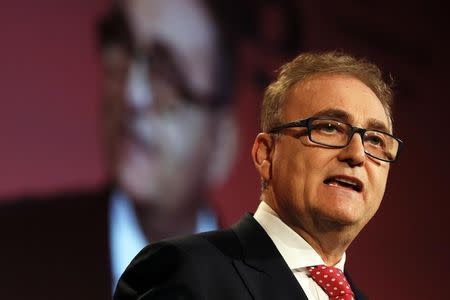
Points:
(262, 155)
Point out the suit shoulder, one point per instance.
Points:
(177, 265)
(154, 269)
(218, 242)
(221, 242)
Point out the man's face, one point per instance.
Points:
(307, 192)
(161, 153)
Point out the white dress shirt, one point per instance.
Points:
(127, 237)
(297, 253)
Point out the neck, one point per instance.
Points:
(328, 238)
(330, 245)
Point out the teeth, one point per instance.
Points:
(346, 181)
(334, 181)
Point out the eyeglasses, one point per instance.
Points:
(335, 134)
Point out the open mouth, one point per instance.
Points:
(345, 182)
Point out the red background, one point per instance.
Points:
(49, 136)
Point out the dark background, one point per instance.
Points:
(49, 130)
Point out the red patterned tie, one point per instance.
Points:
(332, 281)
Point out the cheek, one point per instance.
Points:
(303, 166)
(381, 184)
(315, 161)
(378, 179)
(290, 178)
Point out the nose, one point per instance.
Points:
(353, 154)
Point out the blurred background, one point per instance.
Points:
(55, 57)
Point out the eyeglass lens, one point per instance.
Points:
(336, 134)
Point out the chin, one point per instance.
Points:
(342, 218)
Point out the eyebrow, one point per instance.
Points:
(333, 113)
(341, 115)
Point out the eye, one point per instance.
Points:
(375, 139)
(328, 127)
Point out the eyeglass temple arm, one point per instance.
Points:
(302, 123)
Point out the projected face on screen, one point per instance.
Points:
(167, 125)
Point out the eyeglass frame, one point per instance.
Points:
(361, 131)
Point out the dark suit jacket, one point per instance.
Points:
(239, 263)
(56, 247)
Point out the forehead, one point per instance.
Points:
(325, 92)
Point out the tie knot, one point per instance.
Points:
(332, 281)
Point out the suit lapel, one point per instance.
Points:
(262, 267)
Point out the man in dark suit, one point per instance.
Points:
(323, 157)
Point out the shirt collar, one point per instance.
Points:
(293, 248)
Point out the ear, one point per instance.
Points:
(262, 155)
(223, 149)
